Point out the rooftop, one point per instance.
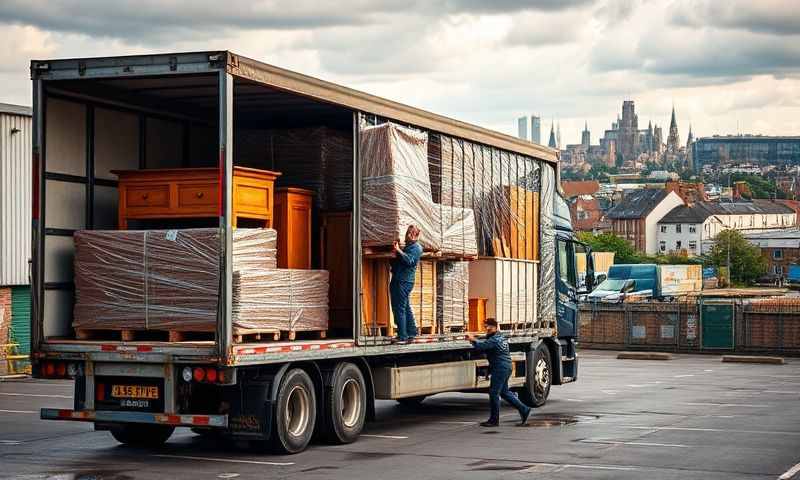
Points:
(586, 187)
(16, 109)
(638, 203)
(700, 211)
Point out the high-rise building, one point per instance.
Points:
(586, 137)
(536, 130)
(558, 135)
(522, 128)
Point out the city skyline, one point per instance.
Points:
(728, 67)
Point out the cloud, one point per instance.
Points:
(534, 29)
(775, 17)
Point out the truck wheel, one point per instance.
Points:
(141, 434)
(538, 377)
(345, 406)
(295, 412)
(412, 402)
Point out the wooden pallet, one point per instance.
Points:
(247, 335)
(454, 328)
(132, 335)
(515, 326)
(388, 252)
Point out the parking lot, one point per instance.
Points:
(691, 417)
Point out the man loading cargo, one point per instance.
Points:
(495, 346)
(404, 267)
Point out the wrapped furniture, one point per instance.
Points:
(452, 291)
(396, 186)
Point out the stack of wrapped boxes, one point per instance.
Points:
(169, 280)
(396, 192)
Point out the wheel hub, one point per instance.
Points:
(542, 377)
(351, 403)
(297, 413)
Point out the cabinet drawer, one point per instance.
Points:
(252, 198)
(147, 196)
(197, 195)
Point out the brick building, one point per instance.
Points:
(635, 218)
(587, 214)
(780, 248)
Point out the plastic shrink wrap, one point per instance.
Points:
(280, 299)
(396, 186)
(158, 279)
(318, 159)
(452, 288)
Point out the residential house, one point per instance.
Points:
(635, 218)
(692, 227)
(584, 187)
(780, 248)
(587, 214)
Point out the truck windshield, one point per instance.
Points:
(645, 276)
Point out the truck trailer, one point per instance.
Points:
(218, 111)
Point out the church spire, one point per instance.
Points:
(673, 140)
(552, 142)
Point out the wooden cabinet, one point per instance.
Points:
(477, 314)
(193, 193)
(293, 210)
(336, 255)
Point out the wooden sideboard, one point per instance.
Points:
(194, 193)
(292, 220)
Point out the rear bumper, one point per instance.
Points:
(104, 416)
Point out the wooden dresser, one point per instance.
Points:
(194, 193)
(292, 217)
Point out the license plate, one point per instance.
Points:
(134, 391)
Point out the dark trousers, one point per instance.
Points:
(498, 387)
(401, 309)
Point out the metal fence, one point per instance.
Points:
(707, 325)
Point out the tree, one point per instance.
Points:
(608, 242)
(747, 264)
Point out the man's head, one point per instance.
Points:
(490, 324)
(412, 234)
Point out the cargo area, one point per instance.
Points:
(142, 240)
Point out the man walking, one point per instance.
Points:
(495, 346)
(404, 267)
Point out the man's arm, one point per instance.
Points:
(411, 258)
(484, 345)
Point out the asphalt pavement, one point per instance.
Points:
(689, 418)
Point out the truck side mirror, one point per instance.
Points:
(590, 281)
(601, 278)
(629, 286)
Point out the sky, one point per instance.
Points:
(728, 67)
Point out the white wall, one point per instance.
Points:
(666, 205)
(671, 237)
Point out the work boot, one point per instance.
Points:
(490, 423)
(524, 416)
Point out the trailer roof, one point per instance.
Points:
(285, 80)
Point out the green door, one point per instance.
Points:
(21, 318)
(717, 325)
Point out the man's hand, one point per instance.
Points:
(396, 247)
(471, 338)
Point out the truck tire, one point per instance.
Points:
(141, 434)
(538, 377)
(345, 408)
(295, 412)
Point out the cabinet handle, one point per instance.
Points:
(199, 194)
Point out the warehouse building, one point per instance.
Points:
(15, 228)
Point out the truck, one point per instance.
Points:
(644, 281)
(182, 110)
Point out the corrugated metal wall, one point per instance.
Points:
(15, 198)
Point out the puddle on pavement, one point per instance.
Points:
(87, 475)
(557, 420)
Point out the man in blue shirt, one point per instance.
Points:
(404, 267)
(495, 346)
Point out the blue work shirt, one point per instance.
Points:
(404, 264)
(496, 349)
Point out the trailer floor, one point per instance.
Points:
(692, 417)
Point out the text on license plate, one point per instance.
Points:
(134, 391)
